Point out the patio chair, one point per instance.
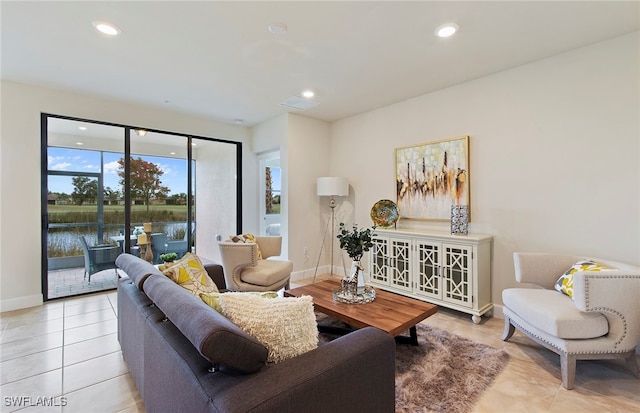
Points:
(98, 258)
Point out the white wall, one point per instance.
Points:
(20, 212)
(215, 196)
(269, 136)
(554, 154)
(304, 156)
(308, 159)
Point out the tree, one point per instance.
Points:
(84, 189)
(112, 195)
(269, 191)
(144, 180)
(179, 199)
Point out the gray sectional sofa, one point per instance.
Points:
(186, 357)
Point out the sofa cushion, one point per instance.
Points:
(137, 269)
(190, 274)
(565, 282)
(554, 313)
(285, 325)
(215, 337)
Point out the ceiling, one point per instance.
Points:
(218, 60)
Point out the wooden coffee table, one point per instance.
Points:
(389, 312)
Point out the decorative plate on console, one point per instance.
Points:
(384, 213)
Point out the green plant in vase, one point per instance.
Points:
(355, 242)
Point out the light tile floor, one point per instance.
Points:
(69, 348)
(65, 355)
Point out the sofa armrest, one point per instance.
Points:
(542, 269)
(615, 294)
(337, 376)
(216, 274)
(136, 268)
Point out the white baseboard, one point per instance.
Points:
(497, 311)
(21, 302)
(309, 272)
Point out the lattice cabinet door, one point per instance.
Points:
(456, 274)
(427, 269)
(380, 261)
(400, 263)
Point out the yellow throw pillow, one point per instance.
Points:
(190, 274)
(565, 282)
(286, 326)
(213, 299)
(247, 238)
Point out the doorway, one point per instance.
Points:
(270, 193)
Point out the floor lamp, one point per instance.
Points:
(330, 186)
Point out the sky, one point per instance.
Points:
(81, 160)
(78, 160)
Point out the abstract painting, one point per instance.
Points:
(431, 177)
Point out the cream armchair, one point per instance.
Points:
(243, 271)
(601, 322)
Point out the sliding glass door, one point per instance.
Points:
(158, 188)
(104, 182)
(84, 208)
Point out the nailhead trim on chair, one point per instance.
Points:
(606, 309)
(529, 333)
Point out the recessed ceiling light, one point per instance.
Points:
(277, 28)
(308, 93)
(106, 28)
(238, 121)
(79, 143)
(447, 30)
(172, 153)
(82, 127)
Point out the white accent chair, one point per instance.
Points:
(243, 271)
(601, 322)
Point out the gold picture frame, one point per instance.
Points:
(431, 177)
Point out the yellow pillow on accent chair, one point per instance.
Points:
(190, 274)
(247, 238)
(565, 282)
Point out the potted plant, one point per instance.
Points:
(168, 257)
(355, 242)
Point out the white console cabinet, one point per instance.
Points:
(452, 271)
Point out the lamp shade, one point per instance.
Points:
(333, 186)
